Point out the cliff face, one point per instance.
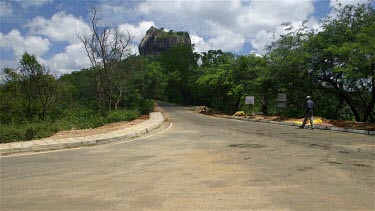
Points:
(157, 41)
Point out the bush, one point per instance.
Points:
(26, 131)
(82, 118)
(9, 133)
(147, 106)
(122, 115)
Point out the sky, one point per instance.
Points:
(48, 28)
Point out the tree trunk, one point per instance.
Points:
(237, 105)
(371, 105)
(338, 109)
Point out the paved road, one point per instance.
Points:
(200, 163)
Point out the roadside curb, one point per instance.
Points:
(319, 127)
(155, 121)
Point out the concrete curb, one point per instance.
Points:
(319, 127)
(155, 120)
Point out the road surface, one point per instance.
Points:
(198, 162)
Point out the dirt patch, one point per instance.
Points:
(361, 165)
(99, 130)
(317, 121)
(334, 162)
(206, 110)
(354, 125)
(247, 145)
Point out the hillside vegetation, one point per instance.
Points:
(336, 66)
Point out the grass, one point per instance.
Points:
(73, 119)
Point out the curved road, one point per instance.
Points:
(199, 163)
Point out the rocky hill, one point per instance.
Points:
(158, 40)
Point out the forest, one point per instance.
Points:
(335, 65)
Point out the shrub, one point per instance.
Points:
(122, 115)
(26, 131)
(147, 106)
(81, 118)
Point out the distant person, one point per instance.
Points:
(309, 107)
(264, 105)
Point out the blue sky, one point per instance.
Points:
(48, 28)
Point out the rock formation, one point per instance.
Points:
(158, 40)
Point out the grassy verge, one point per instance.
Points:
(73, 119)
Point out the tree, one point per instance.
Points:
(106, 47)
(246, 78)
(288, 68)
(343, 58)
(215, 79)
(179, 63)
(31, 90)
(79, 89)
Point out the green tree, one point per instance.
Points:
(157, 81)
(107, 47)
(287, 68)
(31, 90)
(79, 89)
(179, 63)
(246, 79)
(342, 59)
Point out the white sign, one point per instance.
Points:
(281, 97)
(249, 100)
(281, 104)
(281, 100)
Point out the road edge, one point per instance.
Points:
(155, 120)
(319, 127)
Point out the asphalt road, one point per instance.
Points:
(200, 163)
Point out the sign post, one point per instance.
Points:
(249, 100)
(281, 100)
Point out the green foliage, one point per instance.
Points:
(122, 115)
(343, 60)
(26, 131)
(29, 92)
(335, 66)
(147, 106)
(79, 89)
(83, 118)
(156, 81)
(179, 63)
(163, 34)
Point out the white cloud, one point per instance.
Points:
(72, 59)
(137, 32)
(19, 44)
(223, 38)
(226, 24)
(61, 27)
(200, 44)
(6, 9)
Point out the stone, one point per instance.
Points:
(157, 40)
(349, 130)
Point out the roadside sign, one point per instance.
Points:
(281, 104)
(281, 100)
(249, 100)
(281, 97)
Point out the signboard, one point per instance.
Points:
(249, 100)
(281, 100)
(281, 104)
